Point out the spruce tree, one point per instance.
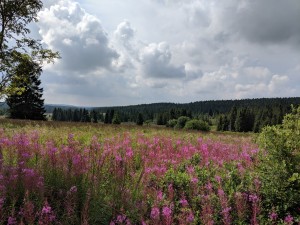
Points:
(140, 119)
(27, 104)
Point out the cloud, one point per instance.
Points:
(79, 37)
(170, 50)
(261, 22)
(124, 32)
(156, 62)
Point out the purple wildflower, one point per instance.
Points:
(288, 219)
(155, 213)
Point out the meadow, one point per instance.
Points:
(75, 173)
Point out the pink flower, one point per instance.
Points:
(195, 180)
(11, 221)
(167, 212)
(160, 195)
(273, 216)
(183, 202)
(190, 218)
(218, 179)
(288, 219)
(155, 213)
(46, 210)
(253, 198)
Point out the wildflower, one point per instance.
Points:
(190, 217)
(195, 180)
(273, 216)
(121, 218)
(253, 198)
(11, 221)
(46, 210)
(288, 219)
(160, 195)
(155, 213)
(183, 202)
(218, 179)
(166, 211)
(209, 186)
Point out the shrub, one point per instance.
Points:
(279, 168)
(172, 123)
(181, 121)
(197, 125)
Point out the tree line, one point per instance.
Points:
(252, 115)
(244, 119)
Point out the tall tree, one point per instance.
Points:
(140, 119)
(28, 104)
(14, 19)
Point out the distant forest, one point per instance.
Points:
(227, 115)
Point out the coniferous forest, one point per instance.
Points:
(227, 115)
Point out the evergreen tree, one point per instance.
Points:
(54, 114)
(140, 119)
(76, 116)
(106, 118)
(225, 124)
(27, 104)
(116, 119)
(220, 124)
(94, 116)
(232, 118)
(85, 116)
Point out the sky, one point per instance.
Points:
(117, 52)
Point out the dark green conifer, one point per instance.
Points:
(28, 103)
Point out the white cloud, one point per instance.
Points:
(79, 37)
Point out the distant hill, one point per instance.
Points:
(49, 107)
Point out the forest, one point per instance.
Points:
(226, 115)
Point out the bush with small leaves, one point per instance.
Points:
(279, 168)
(197, 125)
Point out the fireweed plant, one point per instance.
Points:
(107, 175)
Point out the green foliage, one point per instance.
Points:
(197, 125)
(116, 119)
(179, 180)
(279, 169)
(181, 122)
(15, 16)
(27, 103)
(172, 123)
(140, 119)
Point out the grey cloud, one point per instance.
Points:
(265, 21)
(156, 58)
(79, 36)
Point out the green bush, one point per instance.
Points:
(197, 125)
(280, 165)
(181, 121)
(172, 123)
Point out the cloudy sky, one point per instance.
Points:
(117, 52)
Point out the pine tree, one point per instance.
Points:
(232, 118)
(27, 104)
(140, 119)
(116, 119)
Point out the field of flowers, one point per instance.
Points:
(60, 173)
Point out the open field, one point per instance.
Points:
(73, 173)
